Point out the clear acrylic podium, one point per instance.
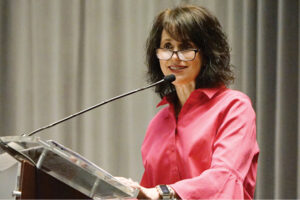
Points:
(50, 170)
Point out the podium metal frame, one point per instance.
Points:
(51, 171)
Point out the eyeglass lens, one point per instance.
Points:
(185, 55)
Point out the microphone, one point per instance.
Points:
(169, 78)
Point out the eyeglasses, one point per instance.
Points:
(184, 55)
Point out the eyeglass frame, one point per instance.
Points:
(195, 50)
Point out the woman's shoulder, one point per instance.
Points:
(234, 95)
(234, 101)
(230, 100)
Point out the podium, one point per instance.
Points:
(48, 170)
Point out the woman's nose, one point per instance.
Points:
(175, 55)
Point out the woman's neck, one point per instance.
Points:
(184, 91)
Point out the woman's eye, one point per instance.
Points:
(167, 46)
(186, 47)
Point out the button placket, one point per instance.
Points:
(174, 171)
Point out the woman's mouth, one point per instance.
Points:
(176, 68)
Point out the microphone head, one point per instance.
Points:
(170, 78)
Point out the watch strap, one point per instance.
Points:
(165, 191)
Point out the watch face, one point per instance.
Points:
(164, 189)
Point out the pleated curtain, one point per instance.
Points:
(59, 57)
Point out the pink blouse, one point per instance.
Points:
(209, 152)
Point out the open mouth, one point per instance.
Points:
(177, 67)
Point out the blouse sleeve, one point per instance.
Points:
(234, 158)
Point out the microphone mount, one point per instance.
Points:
(168, 78)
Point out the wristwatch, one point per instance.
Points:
(165, 191)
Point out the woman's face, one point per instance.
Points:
(185, 71)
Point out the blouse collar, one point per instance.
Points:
(208, 92)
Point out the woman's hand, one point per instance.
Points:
(148, 193)
(145, 193)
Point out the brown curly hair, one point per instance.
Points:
(198, 25)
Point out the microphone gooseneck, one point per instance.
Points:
(168, 78)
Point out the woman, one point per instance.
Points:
(203, 144)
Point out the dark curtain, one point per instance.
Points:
(57, 57)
